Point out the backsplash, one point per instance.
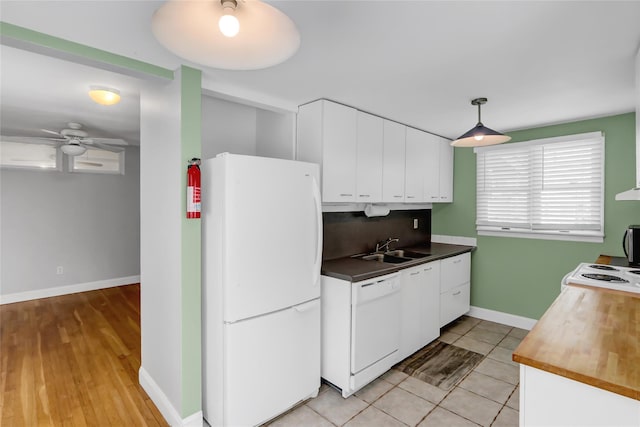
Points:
(349, 233)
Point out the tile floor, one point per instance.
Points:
(487, 396)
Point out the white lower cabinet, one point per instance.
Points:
(455, 287)
(547, 399)
(420, 289)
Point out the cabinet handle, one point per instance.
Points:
(434, 197)
(456, 261)
(443, 197)
(411, 197)
(364, 195)
(414, 273)
(397, 197)
(345, 195)
(457, 293)
(428, 269)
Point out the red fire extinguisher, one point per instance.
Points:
(193, 189)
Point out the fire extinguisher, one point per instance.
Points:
(193, 189)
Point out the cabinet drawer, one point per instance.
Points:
(454, 303)
(455, 271)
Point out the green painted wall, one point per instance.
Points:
(191, 249)
(522, 276)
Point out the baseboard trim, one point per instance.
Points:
(504, 318)
(454, 240)
(68, 289)
(163, 404)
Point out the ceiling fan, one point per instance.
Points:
(74, 141)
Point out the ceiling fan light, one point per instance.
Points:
(104, 95)
(73, 149)
(228, 23)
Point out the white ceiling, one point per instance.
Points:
(417, 62)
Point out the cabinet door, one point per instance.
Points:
(339, 153)
(410, 324)
(416, 150)
(369, 164)
(430, 303)
(393, 162)
(455, 271)
(446, 172)
(454, 303)
(432, 169)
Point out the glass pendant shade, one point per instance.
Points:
(190, 29)
(73, 149)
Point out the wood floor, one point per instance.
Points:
(73, 360)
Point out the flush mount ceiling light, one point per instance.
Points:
(480, 135)
(104, 95)
(72, 149)
(226, 34)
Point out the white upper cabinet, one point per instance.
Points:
(369, 158)
(393, 166)
(416, 153)
(364, 158)
(446, 171)
(327, 135)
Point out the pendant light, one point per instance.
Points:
(480, 135)
(226, 34)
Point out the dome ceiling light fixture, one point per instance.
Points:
(73, 149)
(104, 95)
(480, 135)
(226, 34)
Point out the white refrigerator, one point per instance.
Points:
(262, 250)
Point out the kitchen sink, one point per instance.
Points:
(385, 258)
(406, 254)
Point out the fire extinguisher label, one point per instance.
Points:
(193, 202)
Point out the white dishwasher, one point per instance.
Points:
(360, 330)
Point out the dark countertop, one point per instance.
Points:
(355, 270)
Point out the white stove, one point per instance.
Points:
(605, 276)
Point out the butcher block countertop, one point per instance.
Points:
(591, 335)
(353, 269)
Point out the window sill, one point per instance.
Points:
(589, 238)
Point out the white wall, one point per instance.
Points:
(227, 127)
(275, 134)
(241, 129)
(87, 223)
(160, 245)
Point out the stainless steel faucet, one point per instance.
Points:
(380, 246)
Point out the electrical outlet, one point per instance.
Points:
(59, 270)
(415, 223)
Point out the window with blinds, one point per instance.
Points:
(547, 188)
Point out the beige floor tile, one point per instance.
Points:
(506, 418)
(301, 416)
(440, 417)
(471, 406)
(394, 376)
(335, 408)
(374, 390)
(503, 355)
(404, 406)
(473, 344)
(494, 327)
(371, 417)
(518, 333)
(499, 370)
(462, 325)
(514, 400)
(486, 336)
(449, 337)
(423, 389)
(491, 388)
(509, 342)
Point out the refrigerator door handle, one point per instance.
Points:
(307, 306)
(318, 204)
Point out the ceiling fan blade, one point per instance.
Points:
(50, 131)
(99, 165)
(33, 140)
(106, 147)
(110, 141)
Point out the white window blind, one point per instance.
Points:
(548, 186)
